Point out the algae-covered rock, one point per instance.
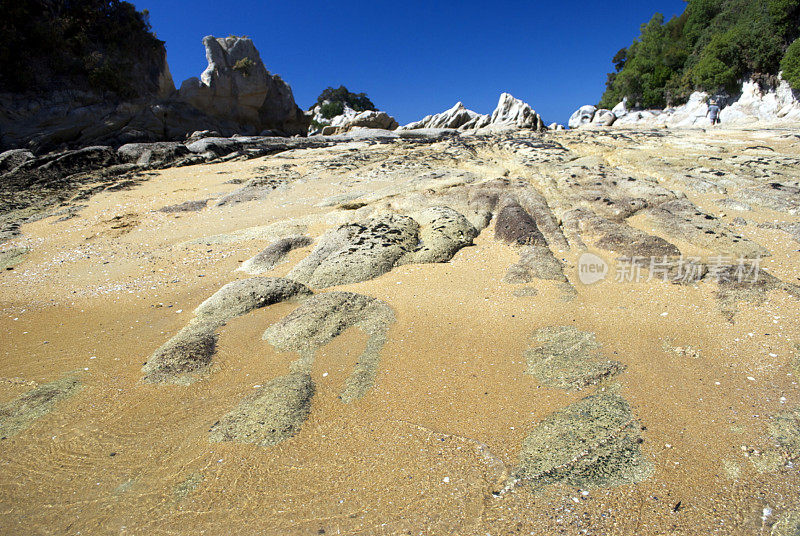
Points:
(594, 442)
(535, 262)
(358, 252)
(745, 283)
(274, 254)
(19, 414)
(189, 353)
(568, 358)
(443, 232)
(515, 226)
(12, 257)
(270, 415)
(241, 297)
(320, 319)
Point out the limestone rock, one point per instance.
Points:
(582, 116)
(514, 112)
(236, 86)
(604, 118)
(509, 113)
(457, 117)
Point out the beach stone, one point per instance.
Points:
(274, 413)
(617, 237)
(535, 262)
(780, 196)
(594, 442)
(323, 317)
(443, 232)
(20, 413)
(274, 254)
(515, 226)
(186, 206)
(9, 258)
(189, 353)
(568, 358)
(255, 189)
(357, 252)
(750, 286)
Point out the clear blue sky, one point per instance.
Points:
(414, 57)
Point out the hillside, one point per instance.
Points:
(711, 47)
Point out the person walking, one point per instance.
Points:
(713, 113)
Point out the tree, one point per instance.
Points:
(357, 101)
(790, 65)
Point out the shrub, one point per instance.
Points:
(244, 66)
(329, 110)
(357, 101)
(790, 65)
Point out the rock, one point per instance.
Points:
(745, 282)
(236, 86)
(509, 113)
(443, 232)
(14, 158)
(20, 413)
(186, 206)
(515, 226)
(200, 134)
(189, 353)
(367, 119)
(457, 117)
(780, 196)
(516, 113)
(255, 189)
(535, 262)
(52, 168)
(152, 154)
(9, 258)
(555, 126)
(590, 443)
(274, 254)
(582, 116)
(620, 109)
(604, 118)
(568, 358)
(324, 317)
(274, 413)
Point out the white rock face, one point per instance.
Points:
(514, 112)
(582, 116)
(621, 109)
(555, 126)
(604, 118)
(509, 113)
(780, 106)
(350, 119)
(456, 117)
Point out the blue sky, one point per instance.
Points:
(415, 58)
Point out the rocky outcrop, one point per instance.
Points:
(236, 86)
(510, 112)
(779, 105)
(582, 116)
(235, 95)
(366, 119)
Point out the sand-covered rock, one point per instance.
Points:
(274, 254)
(189, 353)
(11, 257)
(274, 413)
(568, 358)
(20, 413)
(594, 442)
(324, 317)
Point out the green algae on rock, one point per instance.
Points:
(20, 413)
(270, 415)
(189, 352)
(568, 358)
(9, 258)
(594, 442)
(323, 317)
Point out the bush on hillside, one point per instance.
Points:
(357, 101)
(711, 46)
(790, 65)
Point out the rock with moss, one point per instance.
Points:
(189, 353)
(568, 358)
(320, 319)
(11, 257)
(20, 413)
(274, 413)
(595, 442)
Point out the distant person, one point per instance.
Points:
(713, 113)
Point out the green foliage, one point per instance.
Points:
(712, 46)
(790, 65)
(329, 109)
(244, 66)
(357, 101)
(104, 45)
